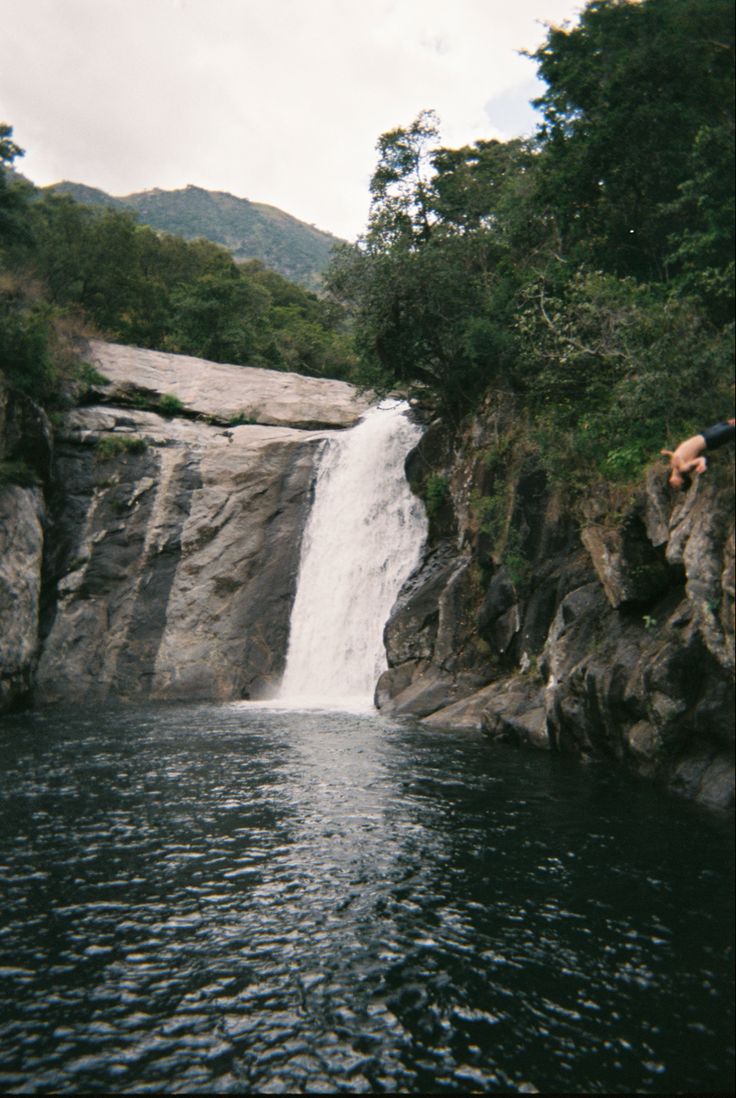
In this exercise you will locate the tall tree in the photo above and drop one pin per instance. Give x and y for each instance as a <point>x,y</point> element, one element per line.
<point>401,184</point>
<point>425,282</point>
<point>629,89</point>
<point>12,197</point>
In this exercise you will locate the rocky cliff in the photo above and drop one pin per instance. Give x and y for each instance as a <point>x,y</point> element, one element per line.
<point>608,635</point>
<point>162,561</point>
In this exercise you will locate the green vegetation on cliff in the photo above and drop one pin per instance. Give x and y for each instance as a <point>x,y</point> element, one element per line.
<point>588,272</point>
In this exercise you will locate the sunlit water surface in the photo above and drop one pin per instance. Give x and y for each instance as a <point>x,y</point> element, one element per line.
<point>227,899</point>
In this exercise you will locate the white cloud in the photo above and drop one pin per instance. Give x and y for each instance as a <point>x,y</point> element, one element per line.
<point>280,101</point>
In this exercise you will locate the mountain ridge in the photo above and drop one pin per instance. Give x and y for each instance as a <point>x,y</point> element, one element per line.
<point>249,230</point>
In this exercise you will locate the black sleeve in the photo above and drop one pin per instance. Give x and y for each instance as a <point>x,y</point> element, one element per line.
<point>718,435</point>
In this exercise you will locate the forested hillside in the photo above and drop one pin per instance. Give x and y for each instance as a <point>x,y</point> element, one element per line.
<point>249,230</point>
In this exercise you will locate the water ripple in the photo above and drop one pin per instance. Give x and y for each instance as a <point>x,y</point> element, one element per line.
<point>232,900</point>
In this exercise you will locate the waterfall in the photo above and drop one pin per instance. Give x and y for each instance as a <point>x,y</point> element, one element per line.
<point>363,537</point>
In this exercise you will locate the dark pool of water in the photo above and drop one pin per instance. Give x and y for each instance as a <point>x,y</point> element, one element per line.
<point>223,899</point>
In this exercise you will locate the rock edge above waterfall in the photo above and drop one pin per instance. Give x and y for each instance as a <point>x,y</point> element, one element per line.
<point>224,392</point>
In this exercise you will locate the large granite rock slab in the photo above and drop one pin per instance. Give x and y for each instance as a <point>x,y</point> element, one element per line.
<point>226,393</point>
<point>175,549</point>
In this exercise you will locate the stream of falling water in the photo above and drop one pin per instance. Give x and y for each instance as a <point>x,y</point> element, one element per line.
<point>363,538</point>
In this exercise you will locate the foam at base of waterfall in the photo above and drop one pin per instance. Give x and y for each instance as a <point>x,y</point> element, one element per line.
<point>310,702</point>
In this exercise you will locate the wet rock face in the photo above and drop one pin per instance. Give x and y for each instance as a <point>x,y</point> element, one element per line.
<point>432,649</point>
<point>172,569</point>
<point>630,569</point>
<point>21,552</point>
<point>25,453</point>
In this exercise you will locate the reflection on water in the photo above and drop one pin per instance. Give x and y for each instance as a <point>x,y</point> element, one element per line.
<point>233,899</point>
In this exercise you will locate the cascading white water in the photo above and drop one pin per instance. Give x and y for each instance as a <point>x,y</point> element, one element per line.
<point>363,538</point>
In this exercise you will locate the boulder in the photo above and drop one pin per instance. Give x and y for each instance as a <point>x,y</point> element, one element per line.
<point>630,569</point>
<point>430,690</point>
<point>515,713</point>
<point>465,715</point>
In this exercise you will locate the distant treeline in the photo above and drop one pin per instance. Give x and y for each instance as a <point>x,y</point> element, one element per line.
<point>588,271</point>
<point>68,270</point>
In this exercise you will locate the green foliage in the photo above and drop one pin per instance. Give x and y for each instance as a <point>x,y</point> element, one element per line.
<point>497,457</point>
<point>610,370</point>
<point>493,516</point>
<point>86,379</point>
<point>89,375</point>
<point>515,560</point>
<point>248,230</point>
<point>629,90</point>
<point>96,269</point>
<point>436,493</point>
<point>489,513</point>
<point>25,333</point>
<point>426,295</point>
<point>113,446</point>
<point>9,151</point>
<point>297,251</point>
<point>12,193</point>
<point>591,270</point>
<point>241,420</point>
<point>702,244</point>
<point>169,404</point>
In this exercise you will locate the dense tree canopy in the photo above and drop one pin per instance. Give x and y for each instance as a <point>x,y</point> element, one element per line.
<point>590,269</point>
<point>632,92</point>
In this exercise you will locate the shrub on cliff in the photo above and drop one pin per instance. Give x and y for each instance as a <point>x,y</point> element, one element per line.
<point>609,370</point>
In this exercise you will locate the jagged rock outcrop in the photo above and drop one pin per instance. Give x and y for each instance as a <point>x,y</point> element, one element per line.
<point>25,454</point>
<point>171,542</point>
<point>652,684</point>
<point>612,639</point>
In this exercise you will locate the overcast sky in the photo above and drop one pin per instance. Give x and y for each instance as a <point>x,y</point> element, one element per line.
<point>279,101</point>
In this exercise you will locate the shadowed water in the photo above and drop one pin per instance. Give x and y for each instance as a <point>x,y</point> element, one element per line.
<point>233,899</point>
